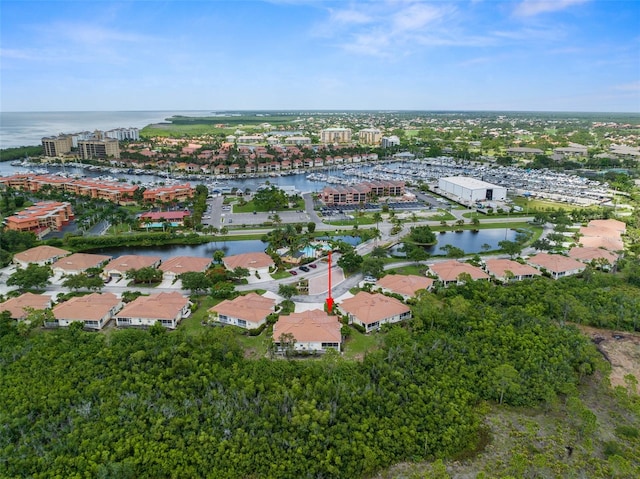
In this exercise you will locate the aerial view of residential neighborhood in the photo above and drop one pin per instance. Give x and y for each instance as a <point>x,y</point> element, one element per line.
<point>317,292</point>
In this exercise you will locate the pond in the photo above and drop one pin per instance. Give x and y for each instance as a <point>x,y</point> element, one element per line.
<point>204,250</point>
<point>469,241</point>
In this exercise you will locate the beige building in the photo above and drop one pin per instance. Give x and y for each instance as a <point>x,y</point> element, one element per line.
<point>78,262</point>
<point>145,311</point>
<point>405,285</point>
<point>19,307</point>
<point>248,312</point>
<point>500,269</point>
<point>335,135</point>
<point>371,311</point>
<point>370,136</point>
<point>312,330</point>
<point>57,145</point>
<point>103,149</point>
<point>94,310</point>
<point>39,255</point>
<point>118,267</point>
<point>449,271</point>
<point>556,264</point>
<point>174,267</point>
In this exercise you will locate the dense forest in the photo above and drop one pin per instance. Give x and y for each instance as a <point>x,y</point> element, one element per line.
<point>156,404</point>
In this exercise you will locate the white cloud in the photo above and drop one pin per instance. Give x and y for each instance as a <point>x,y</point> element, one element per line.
<point>530,8</point>
<point>633,87</point>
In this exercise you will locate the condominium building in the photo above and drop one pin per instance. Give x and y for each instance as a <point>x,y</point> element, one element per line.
<point>370,136</point>
<point>169,193</point>
<point>390,141</point>
<point>335,135</point>
<point>56,145</point>
<point>103,149</point>
<point>360,193</point>
<point>123,134</point>
<point>41,218</point>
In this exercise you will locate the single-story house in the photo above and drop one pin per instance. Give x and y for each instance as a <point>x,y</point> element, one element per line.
<point>248,312</point>
<point>174,267</point>
<point>18,307</point>
<point>498,268</point>
<point>607,242</point>
<point>556,264</point>
<point>94,310</point>
<point>406,285</point>
<point>449,271</point>
<point>118,267</point>
<point>166,308</point>
<point>78,263</point>
<point>312,330</point>
<point>617,226</point>
<point>373,310</point>
<point>589,254</point>
<point>257,263</point>
<point>39,255</point>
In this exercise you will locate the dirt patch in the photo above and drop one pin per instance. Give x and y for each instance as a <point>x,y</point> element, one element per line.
<point>620,348</point>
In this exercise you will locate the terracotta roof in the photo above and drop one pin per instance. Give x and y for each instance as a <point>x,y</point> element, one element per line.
<point>156,306</point>
<point>612,244</point>
<point>369,308</point>
<point>451,270</point>
<point>599,231</point>
<point>405,284</point>
<point>39,254</point>
<point>131,261</point>
<point>556,263</point>
<point>251,307</point>
<point>590,253</point>
<point>28,300</point>
<point>611,224</point>
<point>185,264</point>
<point>80,261</point>
<point>309,326</point>
<point>248,260</point>
<point>86,308</point>
<point>498,268</point>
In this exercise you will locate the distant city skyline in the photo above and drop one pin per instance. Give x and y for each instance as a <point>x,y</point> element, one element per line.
<point>526,55</point>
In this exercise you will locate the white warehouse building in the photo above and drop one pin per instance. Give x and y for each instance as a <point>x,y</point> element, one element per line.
<point>471,190</point>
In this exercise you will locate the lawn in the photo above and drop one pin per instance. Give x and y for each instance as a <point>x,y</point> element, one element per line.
<point>532,205</point>
<point>281,275</point>
<point>191,325</point>
<point>415,269</point>
<point>358,344</point>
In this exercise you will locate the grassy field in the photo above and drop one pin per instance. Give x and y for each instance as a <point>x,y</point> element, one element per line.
<point>358,344</point>
<point>533,205</point>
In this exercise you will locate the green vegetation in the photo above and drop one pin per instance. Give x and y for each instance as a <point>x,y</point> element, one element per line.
<point>20,153</point>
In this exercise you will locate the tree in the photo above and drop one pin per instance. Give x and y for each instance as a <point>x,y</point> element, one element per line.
<point>195,281</point>
<point>83,281</point>
<point>373,266</point>
<point>269,199</point>
<point>145,275</point>
<point>238,273</point>
<point>422,235</point>
<point>350,261</point>
<point>379,252</point>
<point>377,217</point>
<point>287,291</point>
<point>223,290</point>
<point>311,226</point>
<point>415,253</point>
<point>505,380</point>
<point>512,248</point>
<point>453,251</point>
<point>33,276</point>
<point>218,255</point>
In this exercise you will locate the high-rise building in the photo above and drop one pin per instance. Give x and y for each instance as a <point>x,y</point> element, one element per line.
<point>107,148</point>
<point>370,136</point>
<point>389,141</point>
<point>123,134</point>
<point>56,145</point>
<point>335,135</point>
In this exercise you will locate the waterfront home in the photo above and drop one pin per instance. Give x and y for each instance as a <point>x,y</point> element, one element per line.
<point>172,268</point>
<point>118,267</point>
<point>78,263</point>
<point>40,255</point>
<point>257,263</point>
<point>591,254</point>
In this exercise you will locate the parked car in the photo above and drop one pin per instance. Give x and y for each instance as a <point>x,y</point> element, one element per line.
<point>304,268</point>
<point>294,273</point>
<point>313,265</point>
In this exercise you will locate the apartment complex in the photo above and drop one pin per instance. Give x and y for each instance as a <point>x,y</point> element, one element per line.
<point>123,134</point>
<point>57,145</point>
<point>335,135</point>
<point>41,218</point>
<point>370,136</point>
<point>169,193</point>
<point>113,191</point>
<point>99,148</point>
<point>360,193</point>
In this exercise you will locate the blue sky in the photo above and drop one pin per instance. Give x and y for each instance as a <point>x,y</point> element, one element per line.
<point>557,55</point>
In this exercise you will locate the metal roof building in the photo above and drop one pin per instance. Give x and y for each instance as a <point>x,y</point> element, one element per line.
<point>471,190</point>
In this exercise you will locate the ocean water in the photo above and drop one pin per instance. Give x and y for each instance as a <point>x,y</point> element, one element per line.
<point>28,128</point>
